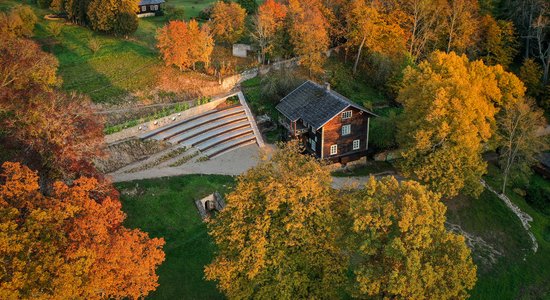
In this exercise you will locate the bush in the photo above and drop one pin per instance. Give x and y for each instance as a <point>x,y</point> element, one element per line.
<point>174,13</point>
<point>54,28</point>
<point>94,44</point>
<point>125,23</point>
<point>538,196</point>
<point>205,13</point>
<point>383,131</point>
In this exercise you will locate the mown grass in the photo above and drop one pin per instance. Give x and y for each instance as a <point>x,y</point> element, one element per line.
<point>164,207</point>
<point>120,67</point>
<point>520,273</point>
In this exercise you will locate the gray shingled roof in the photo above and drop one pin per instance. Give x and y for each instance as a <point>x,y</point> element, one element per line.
<point>149,2</point>
<point>314,104</point>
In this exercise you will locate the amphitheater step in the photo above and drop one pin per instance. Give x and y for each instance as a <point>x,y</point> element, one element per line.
<point>204,136</point>
<point>230,145</point>
<point>209,129</point>
<point>169,130</point>
<point>205,145</point>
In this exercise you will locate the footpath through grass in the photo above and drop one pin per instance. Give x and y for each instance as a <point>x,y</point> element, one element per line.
<point>164,207</point>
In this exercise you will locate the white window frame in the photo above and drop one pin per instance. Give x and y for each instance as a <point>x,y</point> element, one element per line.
<point>356,144</point>
<point>333,149</point>
<point>347,114</point>
<point>313,144</point>
<point>346,129</point>
<point>144,8</point>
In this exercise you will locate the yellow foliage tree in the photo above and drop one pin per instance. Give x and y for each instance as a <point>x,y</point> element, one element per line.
<point>449,108</point>
<point>275,237</point>
<point>368,26</point>
<point>404,250</point>
<point>227,21</point>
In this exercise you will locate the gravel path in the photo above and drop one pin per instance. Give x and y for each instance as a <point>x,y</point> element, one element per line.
<point>232,163</point>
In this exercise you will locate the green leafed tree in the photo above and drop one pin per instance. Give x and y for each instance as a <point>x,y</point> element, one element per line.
<point>276,237</point>
<point>403,249</point>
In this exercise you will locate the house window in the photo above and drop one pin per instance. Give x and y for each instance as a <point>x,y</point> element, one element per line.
<point>346,129</point>
<point>356,144</point>
<point>333,149</point>
<point>144,8</point>
<point>155,7</point>
<point>313,144</point>
<point>346,114</point>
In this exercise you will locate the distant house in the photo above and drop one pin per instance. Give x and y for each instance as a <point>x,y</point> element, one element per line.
<point>148,8</point>
<point>329,125</point>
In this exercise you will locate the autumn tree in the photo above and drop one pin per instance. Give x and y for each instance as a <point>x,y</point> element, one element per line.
<point>70,244</point>
<point>449,107</point>
<point>530,73</point>
<point>269,23</point>
<point>56,133</point>
<point>520,141</point>
<point>423,20</point>
<point>460,24</point>
<point>227,21</point>
<point>404,251</point>
<point>369,27</point>
<point>275,237</point>
<point>308,33</point>
<point>498,43</point>
<point>108,16</point>
<point>18,22</point>
<point>184,44</point>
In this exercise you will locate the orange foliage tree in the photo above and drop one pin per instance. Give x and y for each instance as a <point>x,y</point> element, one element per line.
<point>71,244</point>
<point>184,44</point>
<point>269,22</point>
<point>227,21</point>
<point>56,133</point>
<point>309,33</point>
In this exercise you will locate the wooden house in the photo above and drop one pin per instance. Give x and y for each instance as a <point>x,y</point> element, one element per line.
<point>329,125</point>
<point>149,8</point>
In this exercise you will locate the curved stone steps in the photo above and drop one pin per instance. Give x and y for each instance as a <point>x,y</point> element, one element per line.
<point>209,129</point>
<point>214,141</point>
<point>165,127</point>
<point>230,145</point>
<point>171,129</point>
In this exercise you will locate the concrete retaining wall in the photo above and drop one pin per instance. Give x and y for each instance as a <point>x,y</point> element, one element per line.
<point>141,128</point>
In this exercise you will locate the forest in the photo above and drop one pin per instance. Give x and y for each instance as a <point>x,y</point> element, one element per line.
<point>461,94</point>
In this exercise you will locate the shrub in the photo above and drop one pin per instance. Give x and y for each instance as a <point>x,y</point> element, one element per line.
<point>174,13</point>
<point>125,23</point>
<point>54,28</point>
<point>383,132</point>
<point>94,44</point>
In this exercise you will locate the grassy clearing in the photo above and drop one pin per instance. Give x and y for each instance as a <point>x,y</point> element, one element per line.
<point>165,208</point>
<point>519,274</point>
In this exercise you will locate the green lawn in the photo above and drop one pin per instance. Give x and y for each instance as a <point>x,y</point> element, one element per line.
<point>519,273</point>
<point>165,208</point>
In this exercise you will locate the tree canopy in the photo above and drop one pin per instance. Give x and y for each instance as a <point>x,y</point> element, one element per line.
<point>276,237</point>
<point>405,252</point>
<point>70,244</point>
<point>449,108</point>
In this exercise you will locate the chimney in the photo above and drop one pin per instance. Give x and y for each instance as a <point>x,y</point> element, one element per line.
<point>327,86</point>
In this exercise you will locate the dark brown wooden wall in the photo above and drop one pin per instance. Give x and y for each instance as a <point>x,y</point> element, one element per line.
<point>333,134</point>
